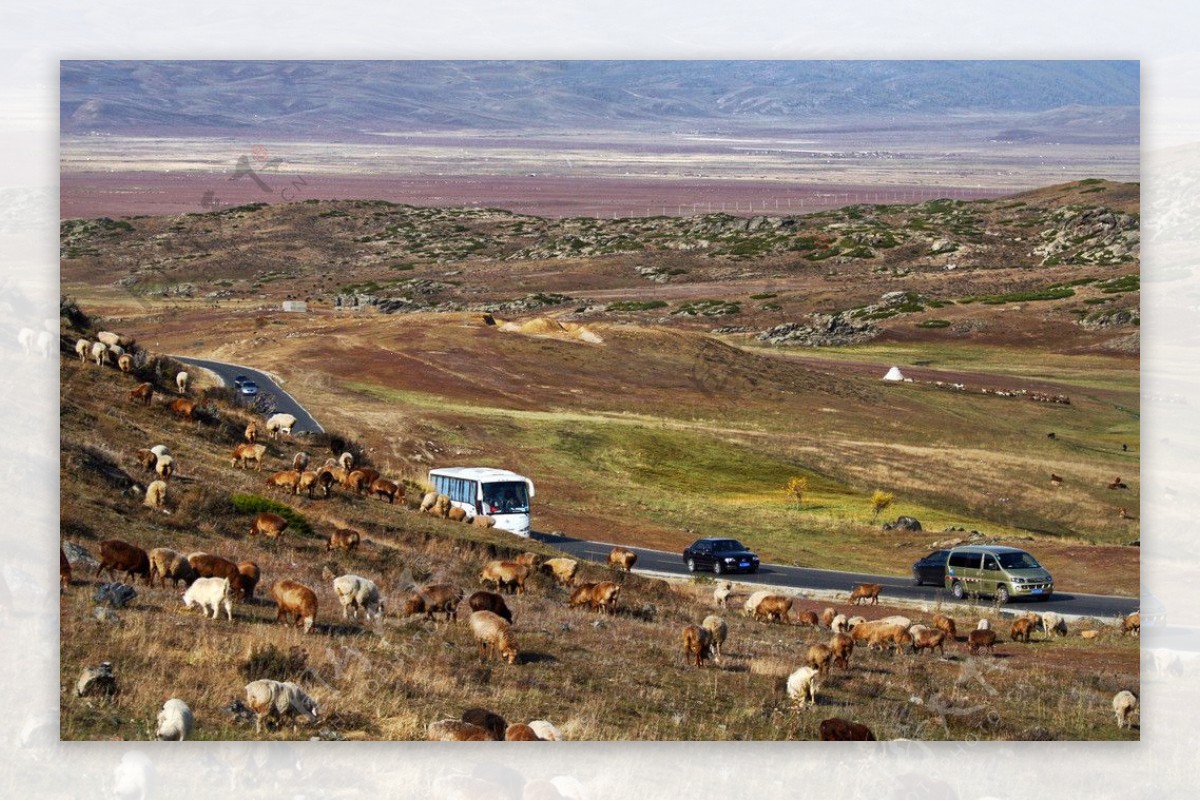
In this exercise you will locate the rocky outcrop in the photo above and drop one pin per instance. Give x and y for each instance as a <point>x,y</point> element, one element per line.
<point>823,330</point>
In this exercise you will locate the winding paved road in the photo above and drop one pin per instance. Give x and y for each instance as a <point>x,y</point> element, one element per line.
<point>795,578</point>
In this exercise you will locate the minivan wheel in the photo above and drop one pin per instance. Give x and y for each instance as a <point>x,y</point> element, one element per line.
<point>957,591</point>
<point>691,563</point>
<point>1002,595</point>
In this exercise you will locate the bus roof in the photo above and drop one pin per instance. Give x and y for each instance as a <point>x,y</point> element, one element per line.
<point>484,475</point>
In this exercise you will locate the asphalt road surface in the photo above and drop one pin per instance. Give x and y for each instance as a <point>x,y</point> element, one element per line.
<point>283,401</point>
<point>795,578</point>
<point>1068,603</point>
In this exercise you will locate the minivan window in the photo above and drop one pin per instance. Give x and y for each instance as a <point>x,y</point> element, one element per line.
<point>970,560</point>
<point>989,562</point>
<point>1018,561</point>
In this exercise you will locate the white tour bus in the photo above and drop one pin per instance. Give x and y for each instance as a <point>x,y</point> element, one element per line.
<point>500,494</point>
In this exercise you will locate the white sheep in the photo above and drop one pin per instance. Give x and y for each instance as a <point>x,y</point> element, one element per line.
<point>719,631</point>
<point>983,625</point>
<point>346,460</point>
<point>753,601</point>
<point>82,348</point>
<point>280,424</point>
<point>839,624</point>
<point>854,621</point>
<point>174,721</point>
<point>213,592</point>
<point>274,699</point>
<point>722,592</point>
<point>165,466</point>
<point>44,339</point>
<point>109,338</point>
<point>1125,705</point>
<point>156,495</point>
<point>1054,623</point>
<point>181,382</point>
<point>26,337</point>
<point>358,593</point>
<point>896,620</point>
<point>116,350</point>
<point>161,450</point>
<point>100,353</point>
<point>545,730</point>
<point>802,686</point>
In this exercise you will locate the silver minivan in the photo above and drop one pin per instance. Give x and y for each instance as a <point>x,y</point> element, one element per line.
<point>996,570</point>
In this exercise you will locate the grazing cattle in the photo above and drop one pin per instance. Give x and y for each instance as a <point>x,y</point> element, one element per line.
<point>697,642</point>
<point>117,555</point>
<point>862,592</point>
<point>839,729</point>
<point>293,599</point>
<point>622,559</point>
<point>345,538</point>
<point>984,639</point>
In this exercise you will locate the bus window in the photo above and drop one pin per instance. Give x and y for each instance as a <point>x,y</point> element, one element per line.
<point>506,497</point>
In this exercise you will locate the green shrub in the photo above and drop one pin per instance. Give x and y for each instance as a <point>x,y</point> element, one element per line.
<point>934,324</point>
<point>636,305</point>
<point>253,504</point>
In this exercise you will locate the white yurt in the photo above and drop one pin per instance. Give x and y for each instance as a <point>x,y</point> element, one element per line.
<point>894,375</point>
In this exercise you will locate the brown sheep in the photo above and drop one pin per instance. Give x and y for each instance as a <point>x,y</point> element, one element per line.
<point>839,729</point>
<point>929,638</point>
<point>505,574</point>
<point>208,565</point>
<point>168,564</point>
<point>562,569</point>
<point>251,433</point>
<point>250,576</point>
<point>697,641</point>
<point>121,556</point>
<point>387,489</point>
<point>268,524</point>
<point>622,559</point>
<point>248,453</point>
<point>490,601</point>
<point>308,482</point>
<point>808,618</point>
<point>146,458</point>
<point>1021,629</point>
<point>432,598</point>
<point>125,363</point>
<point>485,719</point>
<point>494,634</point>
<point>819,656</point>
<point>456,731</point>
<point>1132,624</point>
<point>143,392</point>
<point>981,638</point>
<point>345,538</point>
<point>842,646</point>
<point>862,592</point>
<point>294,599</point>
<point>64,569</point>
<point>456,514</point>
<point>288,479</point>
<point>183,408</point>
<point>773,607</point>
<point>483,521</point>
<point>891,636</point>
<point>360,480</point>
<point>946,624</point>
<point>827,617</point>
<point>300,461</point>
<point>521,732</point>
<point>326,478</point>
<point>530,559</point>
<point>601,596</point>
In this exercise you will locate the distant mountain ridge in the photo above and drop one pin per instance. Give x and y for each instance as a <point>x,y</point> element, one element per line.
<point>313,98</point>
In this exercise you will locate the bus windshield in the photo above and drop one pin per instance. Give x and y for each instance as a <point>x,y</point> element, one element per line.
<point>506,497</point>
<point>1018,561</point>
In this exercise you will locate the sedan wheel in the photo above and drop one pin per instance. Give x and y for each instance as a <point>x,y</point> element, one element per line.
<point>691,563</point>
<point>717,567</point>
<point>917,579</point>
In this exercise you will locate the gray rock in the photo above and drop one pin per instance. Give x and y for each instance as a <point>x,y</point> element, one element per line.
<point>115,594</point>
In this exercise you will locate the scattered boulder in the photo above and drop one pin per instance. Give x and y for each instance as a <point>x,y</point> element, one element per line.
<point>116,594</point>
<point>822,331</point>
<point>903,523</point>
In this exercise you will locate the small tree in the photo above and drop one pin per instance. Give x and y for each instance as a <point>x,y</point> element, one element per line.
<point>880,501</point>
<point>797,486</point>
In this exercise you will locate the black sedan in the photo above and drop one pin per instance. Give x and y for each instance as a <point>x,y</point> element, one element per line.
<point>720,556</point>
<point>930,569</point>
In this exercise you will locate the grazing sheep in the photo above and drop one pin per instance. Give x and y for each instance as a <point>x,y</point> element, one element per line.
<point>865,630</point>
<point>483,521</point>
<point>356,592</point>
<point>983,624</point>
<point>854,621</point>
<point>181,382</point>
<point>842,646</point>
<point>183,408</point>
<point>862,592</point>
<point>1125,705</point>
<point>602,596</point>
<point>308,482</point>
<point>121,556</point>
<point>268,524</point>
<point>482,599</point>
<point>622,559</point>
<point>175,721</point>
<point>1132,623</point>
<point>427,502</point>
<point>530,559</point>
<point>819,656</point>
<point>827,616</point>
<point>562,569</point>
<point>101,354</point>
<point>164,466</point>
<point>116,350</point>
<point>697,642</point>
<point>345,538</point>
<point>896,620</point>
<point>357,482</point>
<point>161,450</point>
<point>97,680</point>
<point>494,634</point>
<point>82,348</point>
<point>346,461</point>
<point>387,489</point>
<point>156,495</point>
<point>802,686</point>
<point>168,564</point>
<point>719,631</point>
<point>271,700</point>
<point>546,730</point>
<point>300,462</point>
<point>214,592</point>
<point>505,574</point>
<point>207,565</point>
<point>125,363</point>
<point>287,479</point>
<point>146,458</point>
<point>773,607</point>
<point>840,730</point>
<point>142,392</point>
<point>251,432</point>
<point>26,337</point>
<point>889,636</point>
<point>1054,623</point>
<point>326,478</point>
<point>432,598</point>
<point>250,575</point>
<point>929,638</point>
<point>722,592</point>
<point>981,638</point>
<point>449,730</point>
<point>64,569</point>
<point>751,603</point>
<point>488,720</point>
<point>839,624</point>
<point>1021,630</point>
<point>243,454</point>
<point>520,732</point>
<point>456,514</point>
<point>946,624</point>
<point>110,338</point>
<point>293,599</point>
<point>280,424</point>
<point>807,618</point>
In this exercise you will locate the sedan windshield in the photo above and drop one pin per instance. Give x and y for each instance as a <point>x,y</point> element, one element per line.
<point>1018,561</point>
<point>506,497</point>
